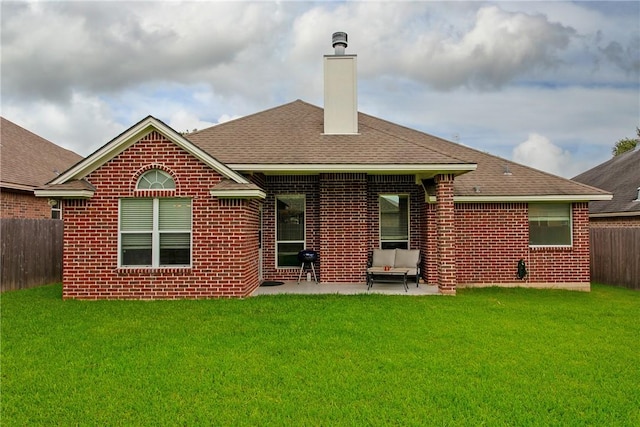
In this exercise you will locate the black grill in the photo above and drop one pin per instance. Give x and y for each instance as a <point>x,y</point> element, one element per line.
<point>307,255</point>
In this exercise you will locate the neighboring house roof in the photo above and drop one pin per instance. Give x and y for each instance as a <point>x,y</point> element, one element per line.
<point>28,160</point>
<point>620,176</point>
<point>289,139</point>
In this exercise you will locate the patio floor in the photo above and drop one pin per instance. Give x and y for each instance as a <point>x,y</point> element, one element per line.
<point>346,289</point>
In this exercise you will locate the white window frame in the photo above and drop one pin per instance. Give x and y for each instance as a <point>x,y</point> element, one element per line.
<point>570,245</point>
<point>399,195</point>
<point>304,228</point>
<point>168,183</point>
<point>56,206</point>
<point>155,236</point>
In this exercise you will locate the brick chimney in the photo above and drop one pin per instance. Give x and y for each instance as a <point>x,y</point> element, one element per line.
<point>340,90</point>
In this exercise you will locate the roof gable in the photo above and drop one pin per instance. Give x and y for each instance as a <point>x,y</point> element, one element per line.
<point>28,160</point>
<point>130,137</point>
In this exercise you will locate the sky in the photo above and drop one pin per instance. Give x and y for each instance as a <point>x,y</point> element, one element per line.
<point>549,84</point>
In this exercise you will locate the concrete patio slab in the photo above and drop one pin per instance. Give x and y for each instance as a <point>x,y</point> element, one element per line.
<point>346,289</point>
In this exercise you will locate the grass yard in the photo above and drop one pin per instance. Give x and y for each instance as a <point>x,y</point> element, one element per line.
<point>485,357</point>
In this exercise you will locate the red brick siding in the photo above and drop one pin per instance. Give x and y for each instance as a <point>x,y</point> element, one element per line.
<point>23,205</point>
<point>429,245</point>
<point>344,222</point>
<point>615,222</point>
<point>492,237</point>
<point>225,242</point>
<point>446,237</point>
<point>282,185</point>
<point>403,184</point>
<point>554,265</point>
<point>344,228</point>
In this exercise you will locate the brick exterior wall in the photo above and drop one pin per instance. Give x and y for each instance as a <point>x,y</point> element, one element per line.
<point>309,186</point>
<point>349,221</point>
<point>344,229</point>
<point>615,222</point>
<point>445,234</point>
<point>492,237</point>
<point>461,244</point>
<point>224,232</point>
<point>23,205</point>
<point>398,184</point>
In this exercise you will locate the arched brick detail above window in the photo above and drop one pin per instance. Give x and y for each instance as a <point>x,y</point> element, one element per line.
<point>171,181</point>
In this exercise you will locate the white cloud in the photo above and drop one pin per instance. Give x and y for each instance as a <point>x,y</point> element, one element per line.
<point>79,73</point>
<point>83,126</point>
<point>540,153</point>
<point>183,121</point>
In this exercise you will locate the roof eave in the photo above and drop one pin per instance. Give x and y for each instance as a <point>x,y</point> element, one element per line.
<point>64,194</point>
<point>528,198</point>
<point>424,170</point>
<point>238,194</point>
<point>16,187</point>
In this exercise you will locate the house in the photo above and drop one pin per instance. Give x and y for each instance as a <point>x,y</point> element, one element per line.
<point>156,214</point>
<point>619,175</point>
<point>29,161</point>
<point>615,223</point>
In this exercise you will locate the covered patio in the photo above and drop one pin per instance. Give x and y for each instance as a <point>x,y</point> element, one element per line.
<point>311,288</point>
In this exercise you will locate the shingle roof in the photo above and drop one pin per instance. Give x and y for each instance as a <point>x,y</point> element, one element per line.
<point>293,134</point>
<point>28,160</point>
<point>620,176</point>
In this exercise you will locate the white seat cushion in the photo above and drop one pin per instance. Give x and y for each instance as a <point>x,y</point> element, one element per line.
<point>383,257</point>
<point>407,258</point>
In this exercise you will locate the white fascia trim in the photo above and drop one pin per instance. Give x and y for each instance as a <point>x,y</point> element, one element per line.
<point>131,136</point>
<point>371,168</point>
<point>238,194</point>
<point>64,194</point>
<point>551,198</point>
<point>19,187</point>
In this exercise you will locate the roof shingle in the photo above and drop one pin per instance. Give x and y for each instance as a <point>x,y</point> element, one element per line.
<point>28,160</point>
<point>293,134</point>
<point>620,176</point>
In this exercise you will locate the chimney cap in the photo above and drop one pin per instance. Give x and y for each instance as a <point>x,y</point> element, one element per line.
<point>339,38</point>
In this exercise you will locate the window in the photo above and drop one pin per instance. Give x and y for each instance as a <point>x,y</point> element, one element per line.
<point>56,208</point>
<point>289,229</point>
<point>394,221</point>
<point>156,179</point>
<point>549,224</point>
<point>155,232</point>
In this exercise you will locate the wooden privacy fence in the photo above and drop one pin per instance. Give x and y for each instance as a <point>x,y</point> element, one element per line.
<point>615,256</point>
<point>31,252</point>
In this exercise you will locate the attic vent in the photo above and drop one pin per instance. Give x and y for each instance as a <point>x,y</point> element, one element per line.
<point>339,42</point>
<point>507,171</point>
<point>638,196</point>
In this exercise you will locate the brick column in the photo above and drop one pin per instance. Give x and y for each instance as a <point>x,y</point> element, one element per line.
<point>445,229</point>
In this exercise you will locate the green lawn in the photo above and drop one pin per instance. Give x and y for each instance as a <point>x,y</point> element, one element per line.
<point>485,357</point>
